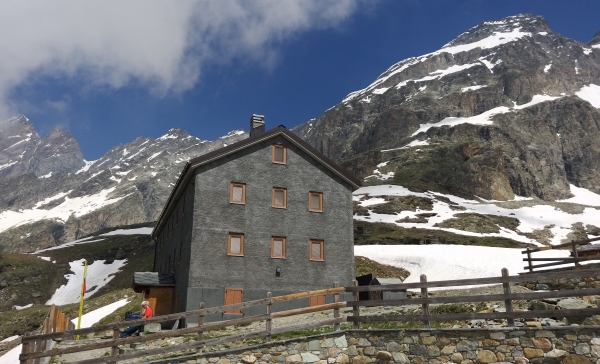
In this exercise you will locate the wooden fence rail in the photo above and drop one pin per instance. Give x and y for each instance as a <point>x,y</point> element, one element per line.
<point>575,258</point>
<point>507,297</point>
<point>28,356</point>
<point>355,317</point>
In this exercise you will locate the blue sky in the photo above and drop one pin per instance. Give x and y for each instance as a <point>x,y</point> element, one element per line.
<point>110,73</point>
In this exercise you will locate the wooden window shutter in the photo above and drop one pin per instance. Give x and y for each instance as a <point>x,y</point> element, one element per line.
<point>316,300</point>
<point>233,296</point>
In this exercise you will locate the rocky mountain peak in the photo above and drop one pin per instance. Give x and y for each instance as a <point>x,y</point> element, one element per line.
<point>482,100</point>
<point>175,133</point>
<point>57,152</point>
<point>595,40</point>
<point>508,28</point>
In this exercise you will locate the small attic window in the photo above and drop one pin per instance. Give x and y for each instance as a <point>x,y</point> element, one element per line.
<point>237,193</point>
<point>279,154</point>
<point>315,201</point>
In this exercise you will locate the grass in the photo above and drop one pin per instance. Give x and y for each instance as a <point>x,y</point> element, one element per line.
<point>365,266</point>
<point>377,233</point>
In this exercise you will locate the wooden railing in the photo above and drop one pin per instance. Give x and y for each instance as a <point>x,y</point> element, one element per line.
<point>507,297</point>
<point>56,321</point>
<point>573,259</point>
<point>356,318</point>
<point>28,356</point>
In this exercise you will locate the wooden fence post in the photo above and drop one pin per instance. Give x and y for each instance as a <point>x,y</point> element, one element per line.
<point>115,348</point>
<point>574,252</point>
<point>25,349</point>
<point>336,311</point>
<point>201,332</point>
<point>425,306</point>
<point>529,260</point>
<point>269,323</point>
<point>355,308</point>
<point>507,302</point>
<point>52,317</point>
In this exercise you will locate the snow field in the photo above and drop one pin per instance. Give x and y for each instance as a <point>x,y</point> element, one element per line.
<point>531,217</point>
<point>450,262</point>
<point>78,206</point>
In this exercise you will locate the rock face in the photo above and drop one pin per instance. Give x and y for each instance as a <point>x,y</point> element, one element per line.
<point>61,197</point>
<point>57,152</point>
<point>503,109</point>
<point>22,150</point>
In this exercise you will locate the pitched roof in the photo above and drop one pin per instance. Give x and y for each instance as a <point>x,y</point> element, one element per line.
<point>153,279</point>
<point>194,163</point>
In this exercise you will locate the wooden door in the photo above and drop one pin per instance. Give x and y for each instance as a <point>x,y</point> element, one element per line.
<point>161,300</point>
<point>234,295</point>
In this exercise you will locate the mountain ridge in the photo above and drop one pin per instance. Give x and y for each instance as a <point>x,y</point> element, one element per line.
<point>507,69</point>
<point>507,108</point>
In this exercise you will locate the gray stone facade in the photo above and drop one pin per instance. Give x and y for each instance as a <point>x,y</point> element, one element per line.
<point>201,233</point>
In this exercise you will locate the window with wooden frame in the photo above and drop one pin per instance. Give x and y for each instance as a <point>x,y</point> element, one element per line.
<point>279,154</point>
<point>316,250</point>
<point>233,296</point>
<point>237,193</point>
<point>278,247</point>
<point>315,201</point>
<point>235,244</point>
<point>279,198</point>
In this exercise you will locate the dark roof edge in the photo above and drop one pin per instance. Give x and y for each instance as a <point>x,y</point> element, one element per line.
<point>244,143</point>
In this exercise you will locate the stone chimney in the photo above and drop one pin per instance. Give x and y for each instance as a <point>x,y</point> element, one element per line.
<point>257,124</point>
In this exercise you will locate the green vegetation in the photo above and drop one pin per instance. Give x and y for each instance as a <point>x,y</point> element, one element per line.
<point>367,233</point>
<point>25,279</point>
<point>480,223</point>
<point>397,204</point>
<point>365,266</point>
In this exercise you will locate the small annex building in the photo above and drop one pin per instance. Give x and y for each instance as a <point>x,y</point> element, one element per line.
<point>266,214</point>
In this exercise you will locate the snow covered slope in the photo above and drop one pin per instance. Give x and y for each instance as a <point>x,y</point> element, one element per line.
<point>55,204</point>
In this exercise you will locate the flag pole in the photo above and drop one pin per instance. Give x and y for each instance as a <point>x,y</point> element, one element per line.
<point>83,289</point>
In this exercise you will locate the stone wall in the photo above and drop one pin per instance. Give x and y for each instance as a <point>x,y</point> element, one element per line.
<point>566,283</point>
<point>568,345</point>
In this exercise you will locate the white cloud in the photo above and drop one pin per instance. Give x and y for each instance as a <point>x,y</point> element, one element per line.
<point>156,44</point>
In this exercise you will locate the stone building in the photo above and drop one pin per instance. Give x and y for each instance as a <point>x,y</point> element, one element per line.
<point>268,213</point>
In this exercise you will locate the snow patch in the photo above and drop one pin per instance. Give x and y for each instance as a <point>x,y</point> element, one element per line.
<point>233,133</point>
<point>87,166</point>
<point>547,67</point>
<point>77,206</point>
<point>4,166</point>
<point>494,40</point>
<point>472,88</point>
<point>98,275</point>
<point>583,196</point>
<point>536,99</point>
<point>481,119</point>
<point>589,93</point>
